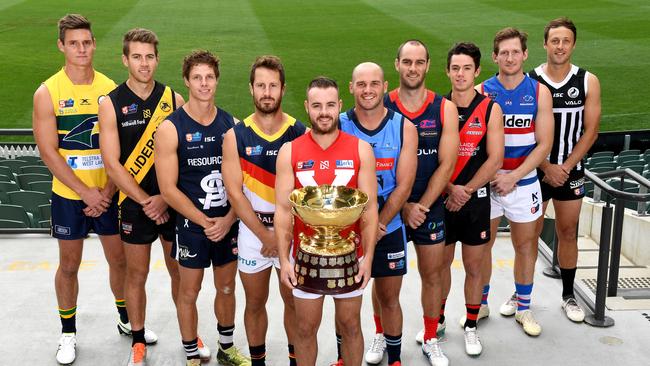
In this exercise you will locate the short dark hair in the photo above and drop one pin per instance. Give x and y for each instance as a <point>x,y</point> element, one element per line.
<point>412,42</point>
<point>322,82</point>
<point>73,21</point>
<point>199,57</point>
<point>139,35</point>
<point>561,22</point>
<point>507,33</point>
<point>465,48</point>
<point>268,62</point>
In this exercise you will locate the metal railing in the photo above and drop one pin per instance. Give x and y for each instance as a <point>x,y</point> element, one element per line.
<point>611,233</point>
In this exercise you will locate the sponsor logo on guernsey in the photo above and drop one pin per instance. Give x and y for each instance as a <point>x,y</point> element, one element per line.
<point>573,92</point>
<point>146,113</point>
<point>324,164</point>
<point>576,183</point>
<point>517,120</point>
<point>388,146</point>
<point>492,95</point>
<point>253,150</point>
<point>476,123</point>
<point>193,137</point>
<point>309,164</point>
<point>558,95</point>
<point>527,100</point>
<point>130,109</point>
<point>508,102</point>
<point>482,192</point>
<point>84,101</point>
<point>468,149</point>
<point>215,193</point>
<point>396,265</point>
<point>133,122</point>
<point>266,218</point>
<point>429,133</point>
<point>127,227</point>
<point>428,123</point>
<point>271,152</point>
<point>579,191</point>
<point>85,162</point>
<point>247,262</point>
<point>397,255</point>
<point>204,161</point>
<point>385,163</point>
<point>427,151</point>
<point>483,234</point>
<point>437,235</point>
<point>345,164</point>
<point>69,103</point>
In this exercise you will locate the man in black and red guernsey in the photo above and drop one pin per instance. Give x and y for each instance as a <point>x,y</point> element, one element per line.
<point>436,120</point>
<point>467,207</point>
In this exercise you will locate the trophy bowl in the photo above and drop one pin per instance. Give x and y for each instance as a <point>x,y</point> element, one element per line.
<point>326,262</point>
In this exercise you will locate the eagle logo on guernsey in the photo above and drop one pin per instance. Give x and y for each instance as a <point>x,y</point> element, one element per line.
<point>165,107</point>
<point>84,133</point>
<point>309,164</point>
<point>345,164</point>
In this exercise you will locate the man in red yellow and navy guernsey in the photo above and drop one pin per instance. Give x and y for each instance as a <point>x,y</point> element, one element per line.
<point>250,151</point>
<point>128,120</point>
<point>515,192</point>
<point>325,155</point>
<point>436,120</point>
<point>467,207</point>
<point>66,131</point>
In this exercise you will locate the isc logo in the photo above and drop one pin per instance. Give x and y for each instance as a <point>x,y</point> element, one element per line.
<point>271,152</point>
<point>209,139</point>
<point>517,120</point>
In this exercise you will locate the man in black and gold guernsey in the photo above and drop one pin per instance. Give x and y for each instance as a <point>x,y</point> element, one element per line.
<point>128,120</point>
<point>65,129</point>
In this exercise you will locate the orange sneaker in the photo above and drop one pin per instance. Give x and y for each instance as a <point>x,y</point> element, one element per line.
<point>339,362</point>
<point>138,355</point>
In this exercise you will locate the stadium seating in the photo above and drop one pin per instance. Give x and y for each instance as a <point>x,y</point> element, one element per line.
<point>45,214</point>
<point>607,165</point>
<point>30,201</point>
<point>616,183</point>
<point>7,187</point>
<point>599,159</point>
<point>16,213</point>
<point>625,158</point>
<point>38,169</point>
<point>6,178</point>
<point>29,158</point>
<point>24,179</point>
<point>629,152</point>
<point>609,154</point>
<point>5,170</point>
<point>12,224</point>
<point>14,164</point>
<point>41,186</point>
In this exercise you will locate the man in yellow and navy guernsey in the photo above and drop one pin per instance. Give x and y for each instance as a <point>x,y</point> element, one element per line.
<point>66,131</point>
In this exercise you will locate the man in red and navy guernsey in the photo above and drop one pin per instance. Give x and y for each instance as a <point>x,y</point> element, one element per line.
<point>325,155</point>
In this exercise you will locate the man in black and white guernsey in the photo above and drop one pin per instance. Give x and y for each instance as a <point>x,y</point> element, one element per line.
<point>576,108</point>
<point>188,153</point>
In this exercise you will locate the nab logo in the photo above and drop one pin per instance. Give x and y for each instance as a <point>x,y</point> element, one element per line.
<point>517,120</point>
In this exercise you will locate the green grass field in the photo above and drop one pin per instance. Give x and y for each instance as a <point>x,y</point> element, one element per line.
<point>327,38</point>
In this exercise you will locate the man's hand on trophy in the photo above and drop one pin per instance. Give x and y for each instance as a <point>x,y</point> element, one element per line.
<point>218,229</point>
<point>287,275</point>
<point>414,214</point>
<point>363,276</point>
<point>381,231</point>
<point>269,243</point>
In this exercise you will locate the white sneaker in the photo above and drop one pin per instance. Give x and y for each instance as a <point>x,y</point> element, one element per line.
<point>434,354</point>
<point>527,320</point>
<point>509,308</point>
<point>440,333</point>
<point>572,310</point>
<point>375,353</point>
<point>204,351</point>
<point>483,312</point>
<point>473,345</point>
<point>66,353</point>
<point>125,329</point>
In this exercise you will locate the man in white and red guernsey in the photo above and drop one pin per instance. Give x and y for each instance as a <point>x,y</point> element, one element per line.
<point>467,207</point>
<point>528,129</point>
<point>325,155</point>
<point>436,120</point>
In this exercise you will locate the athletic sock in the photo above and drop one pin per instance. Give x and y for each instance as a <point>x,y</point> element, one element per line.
<point>378,327</point>
<point>523,296</point>
<point>472,315</point>
<point>430,327</point>
<point>68,320</point>
<point>121,309</point>
<point>225,336</point>
<point>191,348</point>
<point>258,355</point>
<point>442,311</point>
<point>486,292</point>
<point>292,356</point>
<point>568,277</point>
<point>138,337</point>
<point>393,347</point>
<point>338,347</point>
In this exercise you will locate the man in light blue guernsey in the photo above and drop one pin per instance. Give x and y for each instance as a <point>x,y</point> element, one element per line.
<point>394,142</point>
<point>528,129</point>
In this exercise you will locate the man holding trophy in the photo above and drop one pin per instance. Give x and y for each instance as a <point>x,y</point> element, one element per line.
<point>334,176</point>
